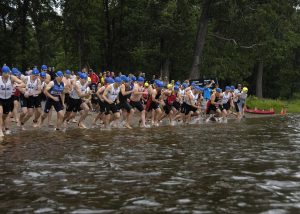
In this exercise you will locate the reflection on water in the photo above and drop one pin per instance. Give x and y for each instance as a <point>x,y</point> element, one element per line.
<point>252,167</point>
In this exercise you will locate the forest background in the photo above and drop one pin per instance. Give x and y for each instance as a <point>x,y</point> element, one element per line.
<point>254,42</point>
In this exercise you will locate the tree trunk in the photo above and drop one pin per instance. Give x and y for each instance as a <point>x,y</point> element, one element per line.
<point>23,23</point>
<point>200,40</point>
<point>259,80</point>
<point>164,62</point>
<point>108,36</point>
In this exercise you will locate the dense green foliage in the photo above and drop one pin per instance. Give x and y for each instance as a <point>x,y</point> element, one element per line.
<point>158,37</point>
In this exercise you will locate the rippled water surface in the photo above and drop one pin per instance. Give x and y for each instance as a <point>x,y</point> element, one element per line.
<point>247,167</point>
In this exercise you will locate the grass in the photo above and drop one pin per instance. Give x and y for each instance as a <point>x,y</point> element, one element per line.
<point>292,105</point>
<point>266,104</point>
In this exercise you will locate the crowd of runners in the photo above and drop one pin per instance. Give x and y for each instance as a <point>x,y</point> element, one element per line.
<point>112,100</point>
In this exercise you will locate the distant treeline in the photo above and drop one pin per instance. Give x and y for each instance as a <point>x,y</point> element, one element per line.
<point>253,42</point>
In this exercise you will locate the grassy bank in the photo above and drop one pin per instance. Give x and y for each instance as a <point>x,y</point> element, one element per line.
<point>293,105</point>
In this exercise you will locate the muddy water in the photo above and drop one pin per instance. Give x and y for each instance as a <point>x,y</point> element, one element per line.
<point>247,167</point>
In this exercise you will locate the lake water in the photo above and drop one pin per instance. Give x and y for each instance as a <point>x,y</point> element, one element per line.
<point>252,166</point>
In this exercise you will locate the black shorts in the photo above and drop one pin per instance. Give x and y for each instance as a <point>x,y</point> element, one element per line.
<point>183,107</point>
<point>167,108</point>
<point>30,102</point>
<point>226,106</point>
<point>57,105</point>
<point>67,98</point>
<point>153,106</point>
<point>110,108</point>
<point>215,107</point>
<point>125,105</point>
<point>189,108</point>
<point>236,107</point>
<point>7,105</point>
<point>138,105</point>
<point>15,98</point>
<point>176,105</point>
<point>102,106</point>
<point>43,97</point>
<point>74,105</point>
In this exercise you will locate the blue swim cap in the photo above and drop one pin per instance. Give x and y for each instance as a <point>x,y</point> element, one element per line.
<point>123,77</point>
<point>176,88</point>
<point>197,88</point>
<point>68,72</point>
<point>159,84</point>
<point>59,74</point>
<point>201,89</point>
<point>35,72</point>
<point>44,67</point>
<point>218,90</point>
<point>227,88</point>
<point>43,74</point>
<point>83,76</point>
<point>118,80</point>
<point>109,80</point>
<point>5,69</point>
<point>140,79</point>
<point>14,71</point>
<point>185,85</point>
<point>232,88</point>
<point>133,78</point>
<point>127,79</point>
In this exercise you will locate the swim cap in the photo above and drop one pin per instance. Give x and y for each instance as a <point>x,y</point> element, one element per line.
<point>227,88</point>
<point>5,69</point>
<point>160,84</point>
<point>43,74</point>
<point>140,79</point>
<point>44,67</point>
<point>185,85</point>
<point>176,88</point>
<point>232,88</point>
<point>133,78</point>
<point>35,72</point>
<point>59,74</point>
<point>109,80</point>
<point>83,76</point>
<point>146,84</point>
<point>245,89</point>
<point>68,72</point>
<point>14,71</point>
<point>126,79</point>
<point>118,80</point>
<point>218,90</point>
<point>123,78</point>
<point>178,83</point>
<point>197,88</point>
<point>169,86</point>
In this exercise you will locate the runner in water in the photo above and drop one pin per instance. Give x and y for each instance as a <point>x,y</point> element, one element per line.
<point>54,93</point>
<point>124,97</point>
<point>76,103</point>
<point>30,98</point>
<point>110,97</point>
<point>7,83</point>
<point>136,99</point>
<point>16,97</point>
<point>241,103</point>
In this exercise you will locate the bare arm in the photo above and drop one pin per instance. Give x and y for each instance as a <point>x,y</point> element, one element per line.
<point>46,91</point>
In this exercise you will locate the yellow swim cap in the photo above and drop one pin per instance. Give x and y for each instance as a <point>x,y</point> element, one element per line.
<point>170,86</point>
<point>245,89</point>
<point>146,84</point>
